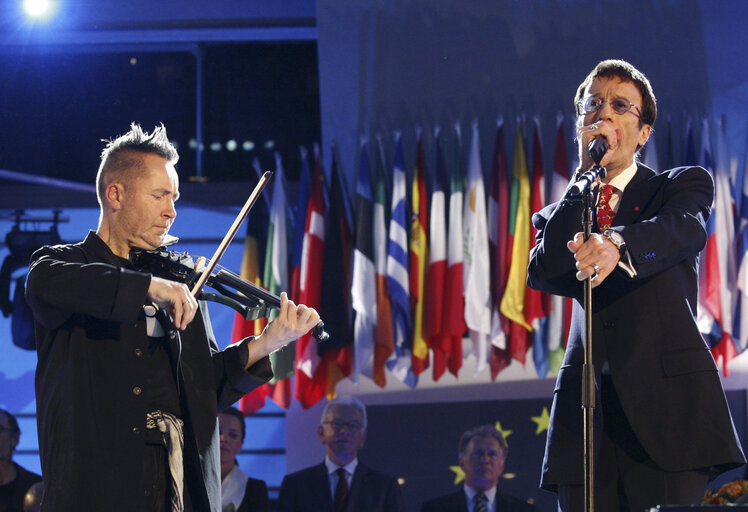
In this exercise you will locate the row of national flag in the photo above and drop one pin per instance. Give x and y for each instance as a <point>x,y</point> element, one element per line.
<point>425,267</point>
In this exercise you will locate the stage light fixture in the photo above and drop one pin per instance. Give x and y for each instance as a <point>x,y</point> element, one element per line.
<point>36,8</point>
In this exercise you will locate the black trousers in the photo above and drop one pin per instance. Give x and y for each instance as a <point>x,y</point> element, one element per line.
<point>626,479</point>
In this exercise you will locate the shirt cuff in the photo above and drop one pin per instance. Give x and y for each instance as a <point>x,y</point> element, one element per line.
<point>626,264</point>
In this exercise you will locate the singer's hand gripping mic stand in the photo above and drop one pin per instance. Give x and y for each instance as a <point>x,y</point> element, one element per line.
<point>583,187</point>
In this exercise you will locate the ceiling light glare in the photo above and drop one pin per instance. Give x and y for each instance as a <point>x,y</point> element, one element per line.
<point>36,8</point>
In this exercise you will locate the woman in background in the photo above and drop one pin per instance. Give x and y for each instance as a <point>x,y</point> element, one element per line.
<point>239,493</point>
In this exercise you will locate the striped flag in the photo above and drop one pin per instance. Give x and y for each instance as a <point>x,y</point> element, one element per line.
<point>400,364</point>
<point>454,299</point>
<point>498,233</point>
<point>299,223</point>
<point>537,303</point>
<point>434,307</point>
<point>559,317</point>
<point>337,352</point>
<point>513,301</point>
<point>742,278</point>
<point>384,345</point>
<point>363,287</point>
<point>724,220</point>
<point>310,381</point>
<point>715,295</point>
<point>242,328</point>
<point>254,250</point>
<point>275,277</point>
<point>418,259</point>
<point>477,267</point>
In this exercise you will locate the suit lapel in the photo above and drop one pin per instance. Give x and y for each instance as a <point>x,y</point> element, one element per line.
<point>358,480</point>
<point>320,488</point>
<point>629,210</point>
<point>460,500</point>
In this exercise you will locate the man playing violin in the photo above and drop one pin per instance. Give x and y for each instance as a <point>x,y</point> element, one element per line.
<point>126,412</point>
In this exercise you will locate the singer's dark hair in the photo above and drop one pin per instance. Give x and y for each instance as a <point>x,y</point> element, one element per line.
<point>627,73</point>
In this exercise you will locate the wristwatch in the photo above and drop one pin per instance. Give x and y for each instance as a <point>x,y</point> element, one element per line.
<point>618,241</point>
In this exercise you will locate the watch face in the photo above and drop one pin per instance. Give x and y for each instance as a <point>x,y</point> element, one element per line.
<point>614,236</point>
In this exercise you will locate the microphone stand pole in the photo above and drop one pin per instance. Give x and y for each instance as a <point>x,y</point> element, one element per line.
<point>584,187</point>
<point>588,370</point>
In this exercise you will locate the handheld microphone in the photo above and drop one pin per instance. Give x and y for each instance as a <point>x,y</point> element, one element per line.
<point>597,149</point>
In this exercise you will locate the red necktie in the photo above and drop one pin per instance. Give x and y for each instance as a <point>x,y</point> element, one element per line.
<point>605,213</point>
<point>341,491</point>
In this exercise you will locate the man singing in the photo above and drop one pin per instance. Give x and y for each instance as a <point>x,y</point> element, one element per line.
<point>662,425</point>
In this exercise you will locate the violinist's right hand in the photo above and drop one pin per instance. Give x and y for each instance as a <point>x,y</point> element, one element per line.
<point>174,298</point>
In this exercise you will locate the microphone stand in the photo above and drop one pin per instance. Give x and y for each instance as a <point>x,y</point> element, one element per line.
<point>588,370</point>
<point>583,187</point>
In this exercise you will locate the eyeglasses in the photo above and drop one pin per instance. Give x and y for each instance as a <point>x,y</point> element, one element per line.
<point>620,106</point>
<point>479,454</point>
<point>337,425</point>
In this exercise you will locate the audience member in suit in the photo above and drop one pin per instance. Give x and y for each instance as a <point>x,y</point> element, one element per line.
<point>482,454</point>
<point>15,481</point>
<point>340,483</point>
<point>239,493</point>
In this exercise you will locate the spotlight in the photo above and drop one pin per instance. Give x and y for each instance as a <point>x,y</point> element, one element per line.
<point>231,145</point>
<point>36,8</point>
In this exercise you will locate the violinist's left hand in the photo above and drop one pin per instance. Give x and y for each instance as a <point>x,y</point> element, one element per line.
<point>291,323</point>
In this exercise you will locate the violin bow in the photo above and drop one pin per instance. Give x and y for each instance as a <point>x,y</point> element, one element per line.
<point>213,262</point>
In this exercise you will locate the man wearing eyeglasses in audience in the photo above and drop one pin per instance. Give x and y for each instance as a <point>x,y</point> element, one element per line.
<point>662,425</point>
<point>482,454</point>
<point>340,483</point>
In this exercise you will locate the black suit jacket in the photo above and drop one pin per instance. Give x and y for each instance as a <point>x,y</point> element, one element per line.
<point>308,490</point>
<point>255,497</point>
<point>457,502</point>
<point>644,327</point>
